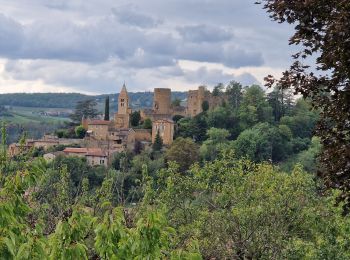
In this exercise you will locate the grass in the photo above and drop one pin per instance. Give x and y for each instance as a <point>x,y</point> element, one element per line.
<point>22,115</point>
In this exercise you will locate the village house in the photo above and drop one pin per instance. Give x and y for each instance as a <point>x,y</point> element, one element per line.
<point>94,156</point>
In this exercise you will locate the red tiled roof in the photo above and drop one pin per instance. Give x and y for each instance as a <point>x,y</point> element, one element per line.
<point>99,122</point>
<point>164,120</point>
<point>96,152</point>
<point>75,150</point>
<point>86,151</point>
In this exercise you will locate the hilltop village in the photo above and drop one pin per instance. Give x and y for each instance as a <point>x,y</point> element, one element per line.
<point>105,138</point>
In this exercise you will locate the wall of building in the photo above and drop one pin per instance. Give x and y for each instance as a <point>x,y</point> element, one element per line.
<point>162,101</point>
<point>97,160</point>
<point>196,98</point>
<point>99,132</point>
<point>143,135</point>
<point>165,129</point>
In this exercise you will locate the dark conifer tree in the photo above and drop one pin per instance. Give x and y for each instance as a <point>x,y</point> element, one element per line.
<point>107,109</point>
<point>158,143</point>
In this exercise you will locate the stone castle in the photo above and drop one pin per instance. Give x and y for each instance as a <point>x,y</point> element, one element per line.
<point>105,138</point>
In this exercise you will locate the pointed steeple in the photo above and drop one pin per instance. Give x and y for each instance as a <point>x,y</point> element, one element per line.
<point>123,101</point>
<point>124,91</point>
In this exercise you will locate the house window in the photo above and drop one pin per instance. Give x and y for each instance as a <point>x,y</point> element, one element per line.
<point>102,161</point>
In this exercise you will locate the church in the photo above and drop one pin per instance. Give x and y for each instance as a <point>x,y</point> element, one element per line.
<point>117,135</point>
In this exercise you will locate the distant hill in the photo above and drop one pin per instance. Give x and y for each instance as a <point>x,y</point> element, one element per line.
<point>69,100</point>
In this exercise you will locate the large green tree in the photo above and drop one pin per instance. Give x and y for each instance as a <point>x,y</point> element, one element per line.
<point>264,142</point>
<point>321,72</point>
<point>135,118</point>
<point>184,152</point>
<point>234,93</point>
<point>216,142</point>
<point>86,108</point>
<point>239,210</point>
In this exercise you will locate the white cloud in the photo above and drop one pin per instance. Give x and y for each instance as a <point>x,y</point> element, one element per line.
<point>93,46</point>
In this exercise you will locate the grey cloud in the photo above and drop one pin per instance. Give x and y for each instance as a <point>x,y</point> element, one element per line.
<point>130,17</point>
<point>11,36</point>
<point>213,76</point>
<point>142,59</point>
<point>204,33</point>
<point>141,41</point>
<point>247,79</point>
<point>230,56</point>
<point>237,57</point>
<point>101,78</point>
<point>97,40</point>
<point>207,76</point>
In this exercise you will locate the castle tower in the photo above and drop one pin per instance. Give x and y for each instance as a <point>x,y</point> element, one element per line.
<point>195,99</point>
<point>123,101</point>
<point>122,117</point>
<point>162,101</point>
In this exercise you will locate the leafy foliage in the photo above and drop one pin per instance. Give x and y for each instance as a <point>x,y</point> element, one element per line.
<point>322,29</point>
<point>86,108</point>
<point>135,118</point>
<point>184,152</point>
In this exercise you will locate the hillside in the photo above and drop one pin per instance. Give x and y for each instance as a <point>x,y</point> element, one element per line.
<point>69,100</point>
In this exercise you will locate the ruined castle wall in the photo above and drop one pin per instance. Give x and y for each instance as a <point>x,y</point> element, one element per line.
<point>192,103</point>
<point>162,101</point>
<point>196,98</point>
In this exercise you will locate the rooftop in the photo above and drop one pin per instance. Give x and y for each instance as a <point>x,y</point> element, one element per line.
<point>99,122</point>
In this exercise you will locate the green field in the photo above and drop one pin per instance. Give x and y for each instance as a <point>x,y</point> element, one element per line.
<point>22,115</point>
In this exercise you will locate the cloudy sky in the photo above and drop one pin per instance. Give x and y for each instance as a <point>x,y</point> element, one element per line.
<point>93,46</point>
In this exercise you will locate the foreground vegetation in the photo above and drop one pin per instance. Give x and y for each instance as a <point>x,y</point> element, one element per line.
<point>147,208</point>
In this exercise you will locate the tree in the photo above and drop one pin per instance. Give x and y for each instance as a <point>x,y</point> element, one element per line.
<point>217,141</point>
<point>205,106</point>
<point>80,131</point>
<point>176,102</point>
<point>234,93</point>
<point>263,142</point>
<point>176,118</point>
<point>147,124</point>
<point>254,96</point>
<point>85,108</point>
<point>135,118</point>
<point>281,101</point>
<point>322,28</point>
<point>184,152</point>
<point>138,147</point>
<point>158,143</point>
<point>236,209</point>
<point>218,89</point>
<point>106,118</point>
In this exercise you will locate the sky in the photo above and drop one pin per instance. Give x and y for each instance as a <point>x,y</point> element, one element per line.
<point>94,46</point>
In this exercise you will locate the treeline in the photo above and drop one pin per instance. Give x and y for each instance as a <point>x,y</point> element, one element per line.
<point>274,126</point>
<point>69,100</point>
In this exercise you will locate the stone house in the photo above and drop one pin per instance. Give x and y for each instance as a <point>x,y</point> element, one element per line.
<point>165,127</point>
<point>94,156</point>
